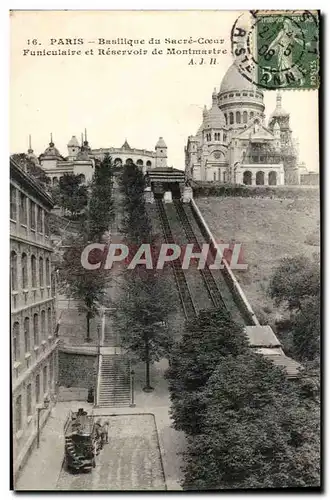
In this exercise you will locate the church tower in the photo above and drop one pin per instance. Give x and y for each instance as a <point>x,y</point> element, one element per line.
<point>161,153</point>
<point>73,147</point>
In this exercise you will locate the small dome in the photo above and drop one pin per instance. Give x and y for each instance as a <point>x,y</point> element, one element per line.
<point>279,111</point>
<point>214,118</point>
<point>161,143</point>
<point>51,150</point>
<point>73,142</point>
<point>233,80</point>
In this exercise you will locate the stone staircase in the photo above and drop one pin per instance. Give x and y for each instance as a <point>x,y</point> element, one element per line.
<point>114,381</point>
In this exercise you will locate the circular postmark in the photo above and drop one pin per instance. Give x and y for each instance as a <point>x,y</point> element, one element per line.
<point>277,49</point>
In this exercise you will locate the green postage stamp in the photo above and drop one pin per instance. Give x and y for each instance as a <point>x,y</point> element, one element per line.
<point>280,49</point>
<point>287,47</point>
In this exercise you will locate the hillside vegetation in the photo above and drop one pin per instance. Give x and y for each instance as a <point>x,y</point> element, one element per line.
<point>268,229</point>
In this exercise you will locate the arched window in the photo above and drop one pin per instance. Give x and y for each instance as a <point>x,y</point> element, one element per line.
<point>129,161</point>
<point>41,272</point>
<point>13,210</point>
<point>36,329</point>
<point>231,118</point>
<point>23,210</point>
<point>247,178</point>
<point>27,345</point>
<point>251,114</point>
<point>43,324</point>
<point>272,178</point>
<point>139,162</point>
<point>55,181</point>
<point>224,176</point>
<point>82,178</point>
<point>13,270</point>
<point>224,137</point>
<point>24,271</point>
<point>148,163</point>
<point>49,321</point>
<point>47,272</point>
<point>238,117</point>
<point>226,118</point>
<point>260,178</point>
<point>34,271</point>
<point>214,176</point>
<point>245,116</point>
<point>18,413</point>
<point>16,341</point>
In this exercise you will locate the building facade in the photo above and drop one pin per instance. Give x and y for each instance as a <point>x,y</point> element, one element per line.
<point>234,144</point>
<point>33,317</point>
<point>80,159</point>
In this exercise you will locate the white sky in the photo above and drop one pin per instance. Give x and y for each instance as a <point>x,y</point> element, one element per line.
<point>138,97</point>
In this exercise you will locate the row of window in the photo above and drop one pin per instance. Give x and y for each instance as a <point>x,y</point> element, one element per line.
<point>238,117</point>
<point>245,94</point>
<point>29,394</point>
<point>25,208</point>
<point>219,176</point>
<point>24,267</point>
<point>36,336</point>
<point>217,137</point>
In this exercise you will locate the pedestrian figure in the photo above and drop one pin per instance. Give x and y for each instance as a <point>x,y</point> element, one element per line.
<point>105,432</point>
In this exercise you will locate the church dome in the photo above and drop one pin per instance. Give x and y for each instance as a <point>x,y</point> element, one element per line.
<point>73,142</point>
<point>161,143</point>
<point>233,80</point>
<point>279,111</point>
<point>214,118</point>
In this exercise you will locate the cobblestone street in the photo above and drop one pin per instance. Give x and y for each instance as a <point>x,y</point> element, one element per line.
<point>131,460</point>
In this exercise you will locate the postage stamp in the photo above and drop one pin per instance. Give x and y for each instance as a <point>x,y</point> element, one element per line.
<point>282,49</point>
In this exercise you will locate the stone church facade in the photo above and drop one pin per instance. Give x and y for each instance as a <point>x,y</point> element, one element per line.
<point>234,144</point>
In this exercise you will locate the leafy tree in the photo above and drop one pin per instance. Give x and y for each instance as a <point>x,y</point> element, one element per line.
<point>86,286</point>
<point>101,210</point>
<point>256,432</point>
<point>206,339</point>
<point>142,317</point>
<point>71,194</point>
<point>136,223</point>
<point>296,278</point>
<point>296,284</point>
<point>33,169</point>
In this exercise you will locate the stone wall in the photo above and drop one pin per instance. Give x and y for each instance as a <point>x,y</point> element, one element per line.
<point>77,370</point>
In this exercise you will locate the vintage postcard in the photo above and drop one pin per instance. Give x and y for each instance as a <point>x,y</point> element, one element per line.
<point>165,250</point>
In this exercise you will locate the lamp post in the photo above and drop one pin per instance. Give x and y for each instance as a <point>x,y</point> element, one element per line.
<point>132,405</point>
<point>40,408</point>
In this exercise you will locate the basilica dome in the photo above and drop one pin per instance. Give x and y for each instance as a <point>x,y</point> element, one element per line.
<point>214,118</point>
<point>233,80</point>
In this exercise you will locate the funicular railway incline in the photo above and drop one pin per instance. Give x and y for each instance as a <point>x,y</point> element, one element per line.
<point>188,306</point>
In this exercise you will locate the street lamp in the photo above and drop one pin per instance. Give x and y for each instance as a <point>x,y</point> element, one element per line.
<point>41,407</point>
<point>132,405</point>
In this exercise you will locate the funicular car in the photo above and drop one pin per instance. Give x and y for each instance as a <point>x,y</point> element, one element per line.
<point>81,442</point>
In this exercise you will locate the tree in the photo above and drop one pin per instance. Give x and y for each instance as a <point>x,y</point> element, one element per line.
<point>87,286</point>
<point>71,194</point>
<point>32,169</point>
<point>206,339</point>
<point>256,432</point>
<point>295,279</point>
<point>296,284</point>
<point>142,315</point>
<point>101,210</point>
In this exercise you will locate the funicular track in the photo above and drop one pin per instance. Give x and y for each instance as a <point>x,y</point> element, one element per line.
<point>180,279</point>
<point>206,274</point>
